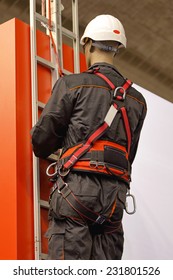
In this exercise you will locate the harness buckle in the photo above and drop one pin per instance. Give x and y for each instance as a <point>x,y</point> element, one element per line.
<point>133,202</point>
<point>100,165</point>
<point>120,88</point>
<point>100,220</point>
<point>53,189</point>
<point>93,164</point>
<point>62,187</point>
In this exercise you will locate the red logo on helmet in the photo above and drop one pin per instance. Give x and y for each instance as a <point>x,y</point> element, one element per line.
<point>116,31</point>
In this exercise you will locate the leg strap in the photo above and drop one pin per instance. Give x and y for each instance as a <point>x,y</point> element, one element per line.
<point>84,211</point>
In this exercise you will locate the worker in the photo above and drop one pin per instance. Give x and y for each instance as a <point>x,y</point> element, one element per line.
<point>95,119</point>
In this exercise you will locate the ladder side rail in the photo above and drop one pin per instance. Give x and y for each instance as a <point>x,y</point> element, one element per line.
<point>75,19</point>
<point>58,30</point>
<point>51,12</point>
<point>34,89</point>
<point>46,63</point>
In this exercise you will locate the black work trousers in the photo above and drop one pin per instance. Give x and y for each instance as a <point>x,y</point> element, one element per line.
<point>70,236</point>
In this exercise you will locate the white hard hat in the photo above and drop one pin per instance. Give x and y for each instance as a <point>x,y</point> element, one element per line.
<point>105,28</point>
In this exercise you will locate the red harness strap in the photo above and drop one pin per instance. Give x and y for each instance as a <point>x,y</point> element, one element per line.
<point>122,89</point>
<point>101,130</point>
<point>127,84</point>
<point>112,86</point>
<point>81,151</point>
<point>127,127</point>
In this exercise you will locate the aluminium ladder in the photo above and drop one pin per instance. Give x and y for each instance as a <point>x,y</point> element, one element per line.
<point>53,7</point>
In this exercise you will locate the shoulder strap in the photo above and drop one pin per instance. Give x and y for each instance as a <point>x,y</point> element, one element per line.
<point>112,86</point>
<point>121,96</point>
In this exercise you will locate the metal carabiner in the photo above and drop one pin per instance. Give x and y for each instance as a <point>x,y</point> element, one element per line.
<point>48,168</point>
<point>124,92</point>
<point>133,201</point>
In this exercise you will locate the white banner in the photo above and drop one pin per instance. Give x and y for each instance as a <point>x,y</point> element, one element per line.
<point>148,233</point>
<point>86,270</point>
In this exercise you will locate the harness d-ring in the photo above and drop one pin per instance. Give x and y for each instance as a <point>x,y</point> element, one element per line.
<point>124,92</point>
<point>133,201</point>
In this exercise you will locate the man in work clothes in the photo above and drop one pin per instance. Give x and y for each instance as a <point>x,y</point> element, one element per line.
<point>96,117</point>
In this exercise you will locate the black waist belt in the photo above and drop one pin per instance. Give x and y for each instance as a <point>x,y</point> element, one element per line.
<point>108,157</point>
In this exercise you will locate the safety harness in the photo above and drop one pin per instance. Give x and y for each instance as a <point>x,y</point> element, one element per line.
<point>98,156</point>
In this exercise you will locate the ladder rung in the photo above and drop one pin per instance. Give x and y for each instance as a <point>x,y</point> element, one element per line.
<point>41,105</point>
<point>50,65</point>
<point>45,62</point>
<point>67,72</point>
<point>68,33</point>
<point>44,204</point>
<point>44,256</point>
<point>43,19</point>
<point>65,31</point>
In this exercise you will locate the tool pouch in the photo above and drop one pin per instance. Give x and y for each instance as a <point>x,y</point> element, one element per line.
<point>115,157</point>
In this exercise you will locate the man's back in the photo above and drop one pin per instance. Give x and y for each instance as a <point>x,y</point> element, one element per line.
<point>78,106</point>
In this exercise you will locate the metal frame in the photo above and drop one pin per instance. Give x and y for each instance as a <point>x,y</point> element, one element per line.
<point>34,86</point>
<point>57,31</point>
<point>76,35</point>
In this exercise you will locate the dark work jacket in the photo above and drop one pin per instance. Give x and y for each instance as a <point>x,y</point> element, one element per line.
<point>78,106</point>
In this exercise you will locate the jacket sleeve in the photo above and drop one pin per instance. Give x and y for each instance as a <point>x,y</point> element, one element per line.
<point>136,136</point>
<point>49,131</point>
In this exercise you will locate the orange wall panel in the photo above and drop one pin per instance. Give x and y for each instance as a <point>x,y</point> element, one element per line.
<point>23,144</point>
<point>16,206</point>
<point>44,74</point>
<point>68,58</point>
<point>8,232</point>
